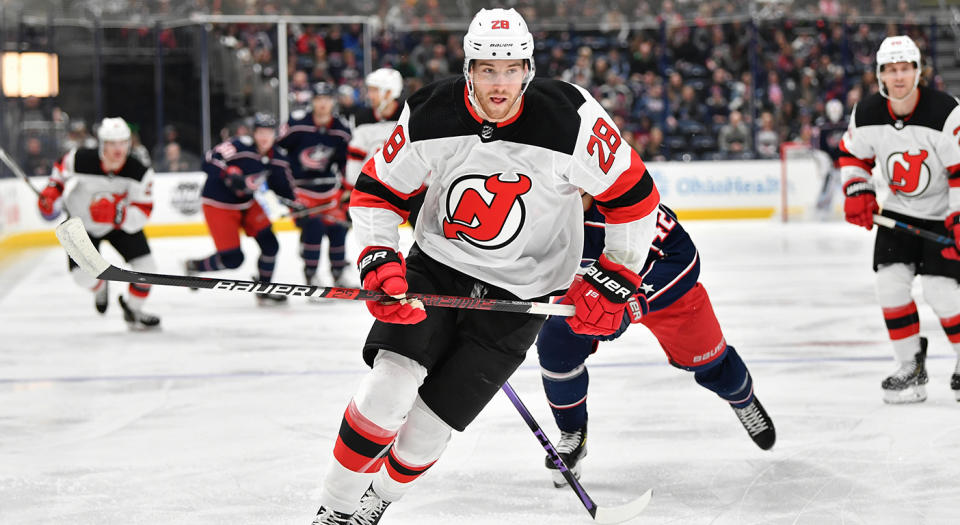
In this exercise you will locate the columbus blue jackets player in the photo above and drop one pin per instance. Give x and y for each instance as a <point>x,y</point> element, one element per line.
<point>316,141</point>
<point>235,170</point>
<point>673,305</point>
<point>502,218</point>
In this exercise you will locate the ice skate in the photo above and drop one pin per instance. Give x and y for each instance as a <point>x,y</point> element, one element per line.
<point>955,381</point>
<point>327,516</point>
<point>757,423</point>
<point>137,320</point>
<point>101,297</point>
<point>906,385</point>
<point>370,510</point>
<point>572,448</point>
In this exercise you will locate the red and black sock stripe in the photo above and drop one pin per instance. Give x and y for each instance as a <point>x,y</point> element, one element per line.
<point>139,290</point>
<point>902,321</point>
<point>951,327</point>
<point>403,473</point>
<point>361,445</point>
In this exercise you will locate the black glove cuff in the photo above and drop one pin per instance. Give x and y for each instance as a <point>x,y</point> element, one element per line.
<point>613,285</point>
<point>374,257</point>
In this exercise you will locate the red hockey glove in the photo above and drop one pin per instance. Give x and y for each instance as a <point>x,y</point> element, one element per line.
<point>600,297</point>
<point>383,270</point>
<point>861,203</point>
<point>108,210</point>
<point>952,222</point>
<point>48,199</point>
<point>236,181</point>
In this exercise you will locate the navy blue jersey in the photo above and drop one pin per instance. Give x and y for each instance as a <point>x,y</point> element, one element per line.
<point>274,168</point>
<point>318,155</point>
<point>672,267</point>
<point>831,133</point>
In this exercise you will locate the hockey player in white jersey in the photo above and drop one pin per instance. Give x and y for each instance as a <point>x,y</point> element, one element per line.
<point>502,218</point>
<point>111,192</point>
<point>384,87</point>
<point>908,135</point>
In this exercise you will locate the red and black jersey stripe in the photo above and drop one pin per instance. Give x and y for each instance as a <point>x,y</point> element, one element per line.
<point>371,192</point>
<point>632,197</point>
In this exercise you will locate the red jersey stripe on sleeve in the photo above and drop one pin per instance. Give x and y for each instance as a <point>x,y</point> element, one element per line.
<point>864,164</point>
<point>146,208</point>
<point>632,197</point>
<point>361,199</point>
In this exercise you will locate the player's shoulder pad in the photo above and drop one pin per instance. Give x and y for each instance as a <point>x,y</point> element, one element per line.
<point>133,169</point>
<point>433,110</point>
<point>871,111</point>
<point>933,109</point>
<point>340,123</point>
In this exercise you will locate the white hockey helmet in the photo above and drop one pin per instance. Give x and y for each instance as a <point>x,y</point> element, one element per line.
<point>834,110</point>
<point>497,34</point>
<point>894,49</point>
<point>113,129</point>
<point>389,81</point>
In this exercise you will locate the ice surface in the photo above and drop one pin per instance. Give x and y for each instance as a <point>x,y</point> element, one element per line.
<point>229,414</point>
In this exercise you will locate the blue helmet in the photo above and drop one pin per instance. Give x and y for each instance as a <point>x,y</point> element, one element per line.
<point>324,89</point>
<point>264,120</point>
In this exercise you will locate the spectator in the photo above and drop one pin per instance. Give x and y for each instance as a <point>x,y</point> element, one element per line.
<point>768,140</point>
<point>35,162</point>
<point>173,160</point>
<point>734,137</point>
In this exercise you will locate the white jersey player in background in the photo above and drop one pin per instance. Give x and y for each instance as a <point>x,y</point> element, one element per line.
<point>111,192</point>
<point>911,133</point>
<point>384,87</point>
<point>502,218</point>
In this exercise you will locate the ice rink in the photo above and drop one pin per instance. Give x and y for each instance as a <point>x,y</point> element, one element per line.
<point>229,414</point>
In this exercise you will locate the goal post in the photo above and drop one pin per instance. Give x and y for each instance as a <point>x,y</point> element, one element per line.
<point>806,193</point>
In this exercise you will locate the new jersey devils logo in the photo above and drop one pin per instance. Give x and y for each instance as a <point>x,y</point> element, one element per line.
<point>486,212</point>
<point>909,174</point>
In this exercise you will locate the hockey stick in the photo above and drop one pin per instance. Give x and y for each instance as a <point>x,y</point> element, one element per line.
<point>617,514</point>
<point>19,173</point>
<point>16,170</point>
<point>894,224</point>
<point>75,240</point>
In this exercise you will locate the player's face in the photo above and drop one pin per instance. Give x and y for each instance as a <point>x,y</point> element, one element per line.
<point>373,96</point>
<point>497,85</point>
<point>115,151</point>
<point>264,138</point>
<point>323,106</point>
<point>898,78</point>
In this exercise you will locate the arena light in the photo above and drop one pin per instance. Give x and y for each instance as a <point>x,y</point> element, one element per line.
<point>30,74</point>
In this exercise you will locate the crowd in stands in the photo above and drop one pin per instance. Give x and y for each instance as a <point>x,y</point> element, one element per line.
<point>677,75</point>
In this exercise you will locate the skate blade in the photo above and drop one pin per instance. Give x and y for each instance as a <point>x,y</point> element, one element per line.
<point>914,394</point>
<point>559,481</point>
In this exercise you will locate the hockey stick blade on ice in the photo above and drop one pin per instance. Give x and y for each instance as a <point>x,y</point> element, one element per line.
<point>894,224</point>
<point>618,514</point>
<point>75,240</point>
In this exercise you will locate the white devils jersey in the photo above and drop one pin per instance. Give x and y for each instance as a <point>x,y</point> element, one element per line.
<point>918,157</point>
<point>503,204</point>
<point>82,174</point>
<point>365,141</point>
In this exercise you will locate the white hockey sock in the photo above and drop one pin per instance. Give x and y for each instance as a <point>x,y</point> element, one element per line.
<point>420,442</point>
